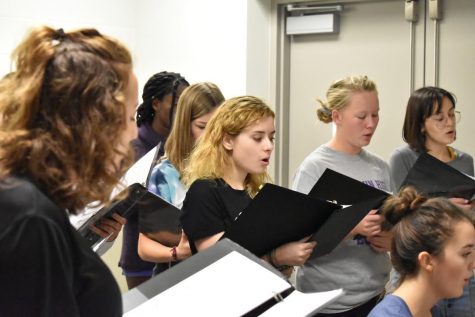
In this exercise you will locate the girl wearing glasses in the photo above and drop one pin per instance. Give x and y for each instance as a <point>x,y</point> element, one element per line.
<point>430,126</point>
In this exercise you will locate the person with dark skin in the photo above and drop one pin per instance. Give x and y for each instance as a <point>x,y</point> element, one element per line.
<point>154,120</point>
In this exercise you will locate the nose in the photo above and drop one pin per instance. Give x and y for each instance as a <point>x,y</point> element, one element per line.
<point>449,121</point>
<point>268,144</point>
<point>372,122</point>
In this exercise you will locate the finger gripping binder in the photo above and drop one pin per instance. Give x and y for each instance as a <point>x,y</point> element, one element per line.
<point>136,196</point>
<point>358,197</point>
<point>223,280</point>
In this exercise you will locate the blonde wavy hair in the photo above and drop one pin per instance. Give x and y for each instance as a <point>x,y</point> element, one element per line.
<point>195,101</point>
<point>339,94</point>
<point>210,159</point>
<point>62,111</point>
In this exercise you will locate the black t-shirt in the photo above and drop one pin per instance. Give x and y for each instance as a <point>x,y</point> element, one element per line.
<point>46,268</point>
<point>210,206</point>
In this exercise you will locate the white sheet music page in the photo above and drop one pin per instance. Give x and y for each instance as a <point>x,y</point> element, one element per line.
<point>231,286</point>
<point>138,172</point>
<point>299,304</point>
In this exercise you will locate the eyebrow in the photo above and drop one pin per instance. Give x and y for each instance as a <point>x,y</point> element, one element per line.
<point>262,132</point>
<point>468,246</point>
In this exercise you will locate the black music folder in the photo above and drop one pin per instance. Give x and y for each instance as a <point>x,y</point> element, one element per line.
<point>358,199</point>
<point>223,280</point>
<point>343,189</point>
<point>137,196</point>
<point>276,216</point>
<point>436,178</point>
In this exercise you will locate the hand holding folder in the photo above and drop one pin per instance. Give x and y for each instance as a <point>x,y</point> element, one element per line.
<point>343,190</point>
<point>137,196</point>
<point>277,216</point>
<point>436,178</point>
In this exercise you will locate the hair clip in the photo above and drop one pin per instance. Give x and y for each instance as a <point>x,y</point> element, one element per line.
<point>59,35</point>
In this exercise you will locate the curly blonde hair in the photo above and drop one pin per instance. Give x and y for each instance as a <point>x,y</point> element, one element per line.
<point>209,160</point>
<point>62,111</point>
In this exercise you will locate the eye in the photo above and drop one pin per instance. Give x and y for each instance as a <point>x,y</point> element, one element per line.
<point>467,254</point>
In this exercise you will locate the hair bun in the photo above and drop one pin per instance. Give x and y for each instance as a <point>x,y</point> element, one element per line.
<point>324,114</point>
<point>404,203</point>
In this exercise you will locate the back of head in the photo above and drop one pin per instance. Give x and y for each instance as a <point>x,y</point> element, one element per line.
<point>339,94</point>
<point>62,111</point>
<point>419,224</point>
<point>210,159</point>
<point>422,103</point>
<point>156,88</point>
<point>195,101</point>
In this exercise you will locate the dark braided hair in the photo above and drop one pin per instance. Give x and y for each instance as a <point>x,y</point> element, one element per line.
<point>157,87</point>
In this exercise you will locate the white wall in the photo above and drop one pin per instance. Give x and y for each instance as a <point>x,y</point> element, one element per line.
<point>203,40</point>
<point>18,16</point>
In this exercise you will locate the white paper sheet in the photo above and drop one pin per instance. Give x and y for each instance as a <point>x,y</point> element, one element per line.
<point>231,286</point>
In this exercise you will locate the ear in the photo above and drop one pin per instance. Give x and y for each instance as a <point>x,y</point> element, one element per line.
<point>426,262</point>
<point>156,105</point>
<point>336,116</point>
<point>228,142</point>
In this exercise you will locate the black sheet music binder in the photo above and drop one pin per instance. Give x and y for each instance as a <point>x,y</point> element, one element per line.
<point>223,280</point>
<point>276,216</point>
<point>436,178</point>
<point>138,197</point>
<point>344,190</point>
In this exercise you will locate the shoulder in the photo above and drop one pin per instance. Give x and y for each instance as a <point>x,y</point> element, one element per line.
<point>21,198</point>
<point>314,161</point>
<point>204,187</point>
<point>403,150</point>
<point>140,148</point>
<point>391,306</point>
<point>463,156</point>
<point>164,170</point>
<point>374,159</point>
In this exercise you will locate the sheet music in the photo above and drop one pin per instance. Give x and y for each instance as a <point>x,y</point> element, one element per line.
<point>231,286</point>
<point>138,172</point>
<point>302,304</point>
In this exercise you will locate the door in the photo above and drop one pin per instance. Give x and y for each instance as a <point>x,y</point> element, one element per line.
<point>375,39</point>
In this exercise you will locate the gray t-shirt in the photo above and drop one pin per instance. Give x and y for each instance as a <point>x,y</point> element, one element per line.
<point>353,265</point>
<point>404,157</point>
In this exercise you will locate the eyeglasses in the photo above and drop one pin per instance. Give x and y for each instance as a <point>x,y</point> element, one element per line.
<point>441,120</point>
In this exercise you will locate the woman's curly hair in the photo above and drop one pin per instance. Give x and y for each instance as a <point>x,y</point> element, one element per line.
<point>62,113</point>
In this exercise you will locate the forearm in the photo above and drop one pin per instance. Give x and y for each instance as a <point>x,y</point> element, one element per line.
<point>152,251</point>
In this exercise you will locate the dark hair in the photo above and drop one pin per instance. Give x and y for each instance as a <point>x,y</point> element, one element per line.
<point>158,87</point>
<point>421,105</point>
<point>61,111</point>
<point>419,224</point>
